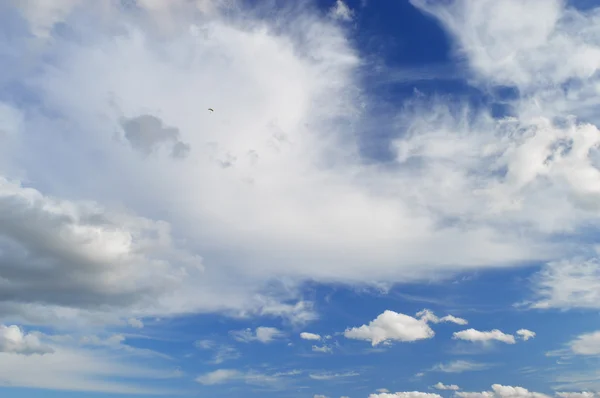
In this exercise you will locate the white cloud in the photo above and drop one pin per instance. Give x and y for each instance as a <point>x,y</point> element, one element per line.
<point>500,391</point>
<point>568,284</point>
<point>309,336</point>
<point>222,352</point>
<point>14,340</point>
<point>324,348</point>
<point>320,396</point>
<point>584,394</point>
<point>262,334</point>
<point>586,344</point>
<point>407,394</point>
<point>223,376</point>
<point>460,366</point>
<point>341,11</point>
<point>442,386</point>
<point>525,334</point>
<point>81,369</point>
<point>331,376</point>
<point>429,316</point>
<point>135,323</point>
<point>286,196</point>
<point>485,336</point>
<point>390,326</point>
<point>219,376</point>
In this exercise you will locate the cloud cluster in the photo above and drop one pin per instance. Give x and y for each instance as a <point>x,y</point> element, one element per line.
<point>391,326</point>
<point>14,340</point>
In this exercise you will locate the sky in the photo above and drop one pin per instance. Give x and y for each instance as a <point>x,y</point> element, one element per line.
<point>358,198</point>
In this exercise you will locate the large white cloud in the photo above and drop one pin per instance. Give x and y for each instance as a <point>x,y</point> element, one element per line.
<point>391,326</point>
<point>271,185</point>
<point>275,166</point>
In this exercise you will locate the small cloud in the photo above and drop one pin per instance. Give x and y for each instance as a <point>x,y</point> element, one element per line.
<point>222,353</point>
<point>309,336</point>
<point>324,348</point>
<point>14,340</point>
<point>586,344</point>
<point>390,326</point>
<point>442,386</point>
<point>406,394</point>
<point>341,11</point>
<point>428,316</point>
<point>262,334</point>
<point>219,376</point>
<point>460,366</point>
<point>382,390</point>
<point>135,323</point>
<point>146,133</point>
<point>484,337</point>
<point>525,334</point>
<point>330,376</point>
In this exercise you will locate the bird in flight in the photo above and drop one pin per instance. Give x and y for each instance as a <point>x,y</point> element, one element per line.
<point>211,109</point>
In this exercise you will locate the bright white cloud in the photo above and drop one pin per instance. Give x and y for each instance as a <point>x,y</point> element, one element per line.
<point>309,336</point>
<point>341,11</point>
<point>391,326</point>
<point>525,334</point>
<point>485,336</point>
<point>262,334</point>
<point>500,391</point>
<point>14,340</point>
<point>460,366</point>
<point>442,386</point>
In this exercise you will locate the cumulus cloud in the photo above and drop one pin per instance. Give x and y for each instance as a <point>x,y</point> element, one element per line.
<point>485,336</point>
<point>407,394</point>
<point>14,340</point>
<point>525,334</point>
<point>94,238</point>
<point>500,391</point>
<point>460,366</point>
<point>442,386</point>
<point>275,151</point>
<point>262,334</point>
<point>391,326</point>
<point>309,336</point>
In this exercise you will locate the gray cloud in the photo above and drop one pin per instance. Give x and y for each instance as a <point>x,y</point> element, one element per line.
<point>146,133</point>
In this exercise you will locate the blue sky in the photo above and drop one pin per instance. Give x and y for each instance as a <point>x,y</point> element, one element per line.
<point>391,199</point>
